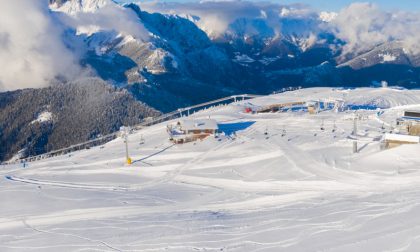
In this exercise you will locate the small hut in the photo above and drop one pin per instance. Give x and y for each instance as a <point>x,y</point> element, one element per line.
<point>312,107</point>
<point>410,123</point>
<point>395,140</point>
<point>188,130</point>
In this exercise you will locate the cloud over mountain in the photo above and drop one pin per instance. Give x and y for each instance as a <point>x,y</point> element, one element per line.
<point>360,25</point>
<point>364,25</point>
<point>31,48</point>
<point>106,17</point>
<point>216,17</point>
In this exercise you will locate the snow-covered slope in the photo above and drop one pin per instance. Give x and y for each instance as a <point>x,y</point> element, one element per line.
<point>272,182</point>
<point>388,53</point>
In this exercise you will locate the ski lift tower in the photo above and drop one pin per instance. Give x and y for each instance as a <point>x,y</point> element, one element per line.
<point>125,131</point>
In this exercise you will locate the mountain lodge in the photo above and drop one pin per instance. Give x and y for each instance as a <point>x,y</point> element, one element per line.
<point>188,130</point>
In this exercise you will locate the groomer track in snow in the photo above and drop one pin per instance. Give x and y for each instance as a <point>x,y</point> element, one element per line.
<point>275,182</point>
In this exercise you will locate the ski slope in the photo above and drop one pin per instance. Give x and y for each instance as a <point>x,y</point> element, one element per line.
<point>274,182</point>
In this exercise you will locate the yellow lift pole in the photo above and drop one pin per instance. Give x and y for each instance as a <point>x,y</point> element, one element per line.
<point>125,131</point>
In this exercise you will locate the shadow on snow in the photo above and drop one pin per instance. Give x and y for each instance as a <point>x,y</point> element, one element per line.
<point>152,155</point>
<point>231,128</point>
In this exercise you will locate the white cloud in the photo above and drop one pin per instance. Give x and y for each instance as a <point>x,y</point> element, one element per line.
<point>32,51</point>
<point>216,17</point>
<point>326,16</point>
<point>109,17</point>
<point>364,25</point>
<point>361,25</point>
<point>31,48</point>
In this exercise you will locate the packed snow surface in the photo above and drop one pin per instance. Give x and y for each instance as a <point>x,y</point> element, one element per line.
<point>271,182</point>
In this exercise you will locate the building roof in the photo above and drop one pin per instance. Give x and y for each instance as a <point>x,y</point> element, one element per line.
<point>408,118</point>
<point>412,113</point>
<point>402,138</point>
<point>199,124</point>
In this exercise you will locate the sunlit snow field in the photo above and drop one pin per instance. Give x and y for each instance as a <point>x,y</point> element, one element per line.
<point>276,183</point>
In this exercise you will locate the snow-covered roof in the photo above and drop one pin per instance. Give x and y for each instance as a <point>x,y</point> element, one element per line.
<point>402,138</point>
<point>200,124</point>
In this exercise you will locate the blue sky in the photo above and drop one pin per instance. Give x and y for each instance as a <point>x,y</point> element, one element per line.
<point>334,5</point>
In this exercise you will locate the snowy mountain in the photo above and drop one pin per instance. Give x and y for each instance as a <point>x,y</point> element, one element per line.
<point>390,53</point>
<point>174,55</point>
<point>72,7</point>
<point>285,181</point>
<point>269,182</point>
<point>328,16</point>
<point>167,47</point>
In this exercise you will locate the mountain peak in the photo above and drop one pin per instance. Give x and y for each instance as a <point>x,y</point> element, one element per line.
<point>73,7</point>
<point>327,16</point>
